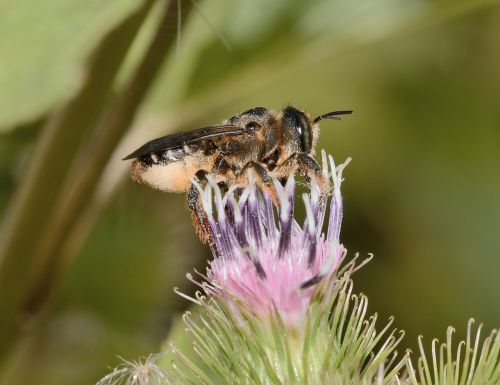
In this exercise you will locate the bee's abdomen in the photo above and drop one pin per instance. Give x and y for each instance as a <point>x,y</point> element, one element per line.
<point>171,170</point>
<point>163,157</point>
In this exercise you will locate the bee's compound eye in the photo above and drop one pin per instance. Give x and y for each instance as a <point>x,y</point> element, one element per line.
<point>297,128</point>
<point>252,126</point>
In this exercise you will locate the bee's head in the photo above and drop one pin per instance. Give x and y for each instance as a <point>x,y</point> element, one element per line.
<point>299,132</point>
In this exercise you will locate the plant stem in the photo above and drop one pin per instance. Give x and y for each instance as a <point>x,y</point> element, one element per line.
<point>33,205</point>
<point>92,161</point>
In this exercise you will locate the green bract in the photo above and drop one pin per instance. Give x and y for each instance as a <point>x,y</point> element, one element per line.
<point>339,343</point>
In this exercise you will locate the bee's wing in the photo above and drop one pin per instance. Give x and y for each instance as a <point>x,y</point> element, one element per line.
<point>178,140</point>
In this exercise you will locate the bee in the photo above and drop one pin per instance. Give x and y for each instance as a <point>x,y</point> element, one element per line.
<point>265,141</point>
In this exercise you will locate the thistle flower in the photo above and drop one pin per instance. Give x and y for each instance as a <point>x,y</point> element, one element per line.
<point>276,308</point>
<point>271,265</point>
<point>338,344</point>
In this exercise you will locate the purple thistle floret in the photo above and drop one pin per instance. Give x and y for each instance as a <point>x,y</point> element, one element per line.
<point>263,258</point>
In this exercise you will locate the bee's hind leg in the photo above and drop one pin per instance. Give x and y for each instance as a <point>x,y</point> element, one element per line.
<point>200,219</point>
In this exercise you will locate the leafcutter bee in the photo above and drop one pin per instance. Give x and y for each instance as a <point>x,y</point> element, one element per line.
<point>262,140</point>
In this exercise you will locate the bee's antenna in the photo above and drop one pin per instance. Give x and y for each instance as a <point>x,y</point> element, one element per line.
<point>332,115</point>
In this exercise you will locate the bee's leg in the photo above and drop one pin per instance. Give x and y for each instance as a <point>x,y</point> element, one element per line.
<point>263,180</point>
<point>220,167</point>
<point>307,167</point>
<point>200,220</point>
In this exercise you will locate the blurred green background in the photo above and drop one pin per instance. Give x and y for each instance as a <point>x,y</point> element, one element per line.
<point>89,260</point>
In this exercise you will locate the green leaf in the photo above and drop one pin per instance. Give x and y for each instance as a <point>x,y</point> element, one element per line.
<point>43,45</point>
